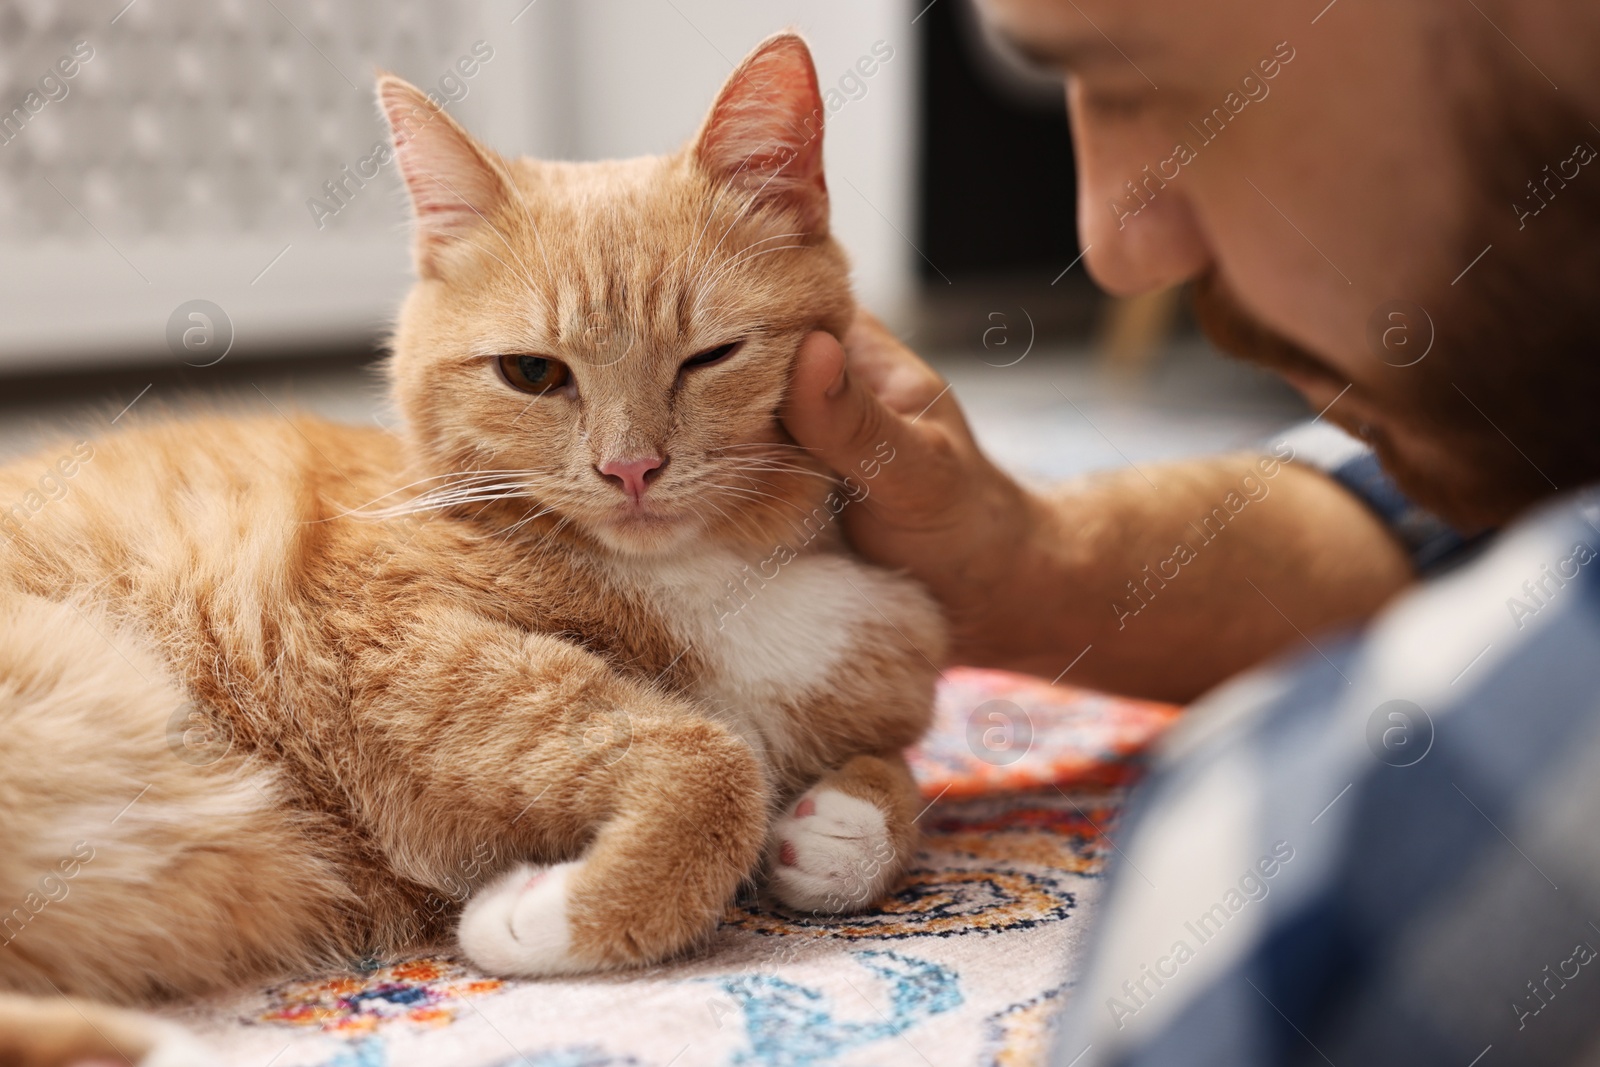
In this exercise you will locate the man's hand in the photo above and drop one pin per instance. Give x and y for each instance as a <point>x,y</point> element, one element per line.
<point>936,506</point>
<point>1037,582</point>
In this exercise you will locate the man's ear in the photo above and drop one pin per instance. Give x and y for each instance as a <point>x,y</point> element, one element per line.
<point>764,133</point>
<point>455,183</point>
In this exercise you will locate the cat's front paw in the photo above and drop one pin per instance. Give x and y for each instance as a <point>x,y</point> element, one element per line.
<point>176,1048</point>
<point>831,853</point>
<point>518,925</point>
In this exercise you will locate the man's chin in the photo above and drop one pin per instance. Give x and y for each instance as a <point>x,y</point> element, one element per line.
<point>1319,392</point>
<point>1471,488</point>
<point>1440,452</point>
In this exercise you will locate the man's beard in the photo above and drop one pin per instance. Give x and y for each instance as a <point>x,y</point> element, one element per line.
<point>1503,410</point>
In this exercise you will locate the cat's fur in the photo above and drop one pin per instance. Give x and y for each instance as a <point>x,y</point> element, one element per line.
<point>301,689</point>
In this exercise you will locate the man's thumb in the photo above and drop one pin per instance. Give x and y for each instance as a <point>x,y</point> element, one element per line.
<point>830,412</point>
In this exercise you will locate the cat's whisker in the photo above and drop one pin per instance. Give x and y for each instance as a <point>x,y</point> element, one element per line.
<point>754,474</point>
<point>475,473</point>
<point>756,502</point>
<point>468,491</point>
<point>476,487</point>
<point>727,268</point>
<point>778,461</point>
<point>771,465</point>
<point>489,497</point>
<point>754,493</point>
<point>711,213</point>
<point>432,502</point>
<point>741,522</point>
<point>719,449</point>
<point>777,467</point>
<point>824,478</point>
<point>759,444</point>
<point>486,502</point>
<point>750,202</point>
<point>558,527</point>
<point>532,515</point>
<point>669,265</point>
<point>463,480</point>
<point>474,492</point>
<point>505,534</point>
<point>735,258</point>
<point>749,471</point>
<point>464,497</point>
<point>714,309</point>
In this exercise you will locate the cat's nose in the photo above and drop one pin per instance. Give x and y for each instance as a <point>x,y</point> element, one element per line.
<point>632,476</point>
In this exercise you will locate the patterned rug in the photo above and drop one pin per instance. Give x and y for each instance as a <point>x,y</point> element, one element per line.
<point>964,964</point>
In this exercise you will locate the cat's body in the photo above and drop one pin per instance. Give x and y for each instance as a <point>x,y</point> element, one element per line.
<point>279,692</point>
<point>384,700</point>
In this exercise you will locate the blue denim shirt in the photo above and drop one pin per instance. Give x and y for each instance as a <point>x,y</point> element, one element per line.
<point>1382,850</point>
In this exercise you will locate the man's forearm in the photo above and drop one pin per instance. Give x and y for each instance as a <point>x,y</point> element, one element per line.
<point>1168,581</point>
<point>1165,581</point>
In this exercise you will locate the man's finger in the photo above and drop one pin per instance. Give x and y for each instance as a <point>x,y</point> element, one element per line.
<point>832,413</point>
<point>891,370</point>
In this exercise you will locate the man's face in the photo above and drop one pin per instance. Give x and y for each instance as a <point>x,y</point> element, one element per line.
<point>1330,175</point>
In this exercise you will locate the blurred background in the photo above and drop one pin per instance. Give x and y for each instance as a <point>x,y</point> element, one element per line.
<point>190,204</point>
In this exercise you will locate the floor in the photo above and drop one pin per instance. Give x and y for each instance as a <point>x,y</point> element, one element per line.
<point>1053,414</point>
<point>1058,413</point>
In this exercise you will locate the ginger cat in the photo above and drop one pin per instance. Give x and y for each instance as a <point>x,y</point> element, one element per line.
<point>580,648</point>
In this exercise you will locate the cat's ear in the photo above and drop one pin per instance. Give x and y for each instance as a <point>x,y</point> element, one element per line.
<point>764,133</point>
<point>455,183</point>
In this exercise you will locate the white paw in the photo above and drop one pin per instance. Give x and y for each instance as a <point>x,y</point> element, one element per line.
<point>517,925</point>
<point>831,853</point>
<point>175,1047</point>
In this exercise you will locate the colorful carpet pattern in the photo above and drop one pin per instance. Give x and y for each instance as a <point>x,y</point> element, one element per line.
<point>963,964</point>
<point>995,732</point>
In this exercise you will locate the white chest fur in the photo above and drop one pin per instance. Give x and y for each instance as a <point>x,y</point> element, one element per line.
<point>769,633</point>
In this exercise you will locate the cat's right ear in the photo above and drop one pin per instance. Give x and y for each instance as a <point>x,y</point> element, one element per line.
<point>764,133</point>
<point>456,184</point>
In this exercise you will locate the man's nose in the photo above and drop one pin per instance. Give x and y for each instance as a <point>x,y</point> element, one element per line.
<point>633,476</point>
<point>1159,247</point>
<point>1139,229</point>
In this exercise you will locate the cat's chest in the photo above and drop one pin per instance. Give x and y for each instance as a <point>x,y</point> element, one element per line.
<point>766,634</point>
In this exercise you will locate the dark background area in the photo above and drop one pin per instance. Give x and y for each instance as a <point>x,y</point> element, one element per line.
<point>998,184</point>
<point>996,215</point>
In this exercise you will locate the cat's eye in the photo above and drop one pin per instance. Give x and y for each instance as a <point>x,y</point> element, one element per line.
<point>710,356</point>
<point>534,374</point>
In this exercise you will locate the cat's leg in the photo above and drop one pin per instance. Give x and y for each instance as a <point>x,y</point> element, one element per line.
<point>685,828</point>
<point>845,841</point>
<point>58,1032</point>
<point>140,855</point>
<point>635,814</point>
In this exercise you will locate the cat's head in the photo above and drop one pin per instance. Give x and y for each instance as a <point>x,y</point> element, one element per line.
<point>612,340</point>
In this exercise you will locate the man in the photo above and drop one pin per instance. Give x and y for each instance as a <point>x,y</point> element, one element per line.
<point>1384,847</point>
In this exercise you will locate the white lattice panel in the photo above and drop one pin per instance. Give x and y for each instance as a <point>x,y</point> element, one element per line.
<point>170,150</point>
<point>177,161</point>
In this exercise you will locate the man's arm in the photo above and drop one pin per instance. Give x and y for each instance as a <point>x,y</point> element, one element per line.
<point>1029,580</point>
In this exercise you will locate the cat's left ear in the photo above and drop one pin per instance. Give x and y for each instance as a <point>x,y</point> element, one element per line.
<point>764,133</point>
<point>455,183</point>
